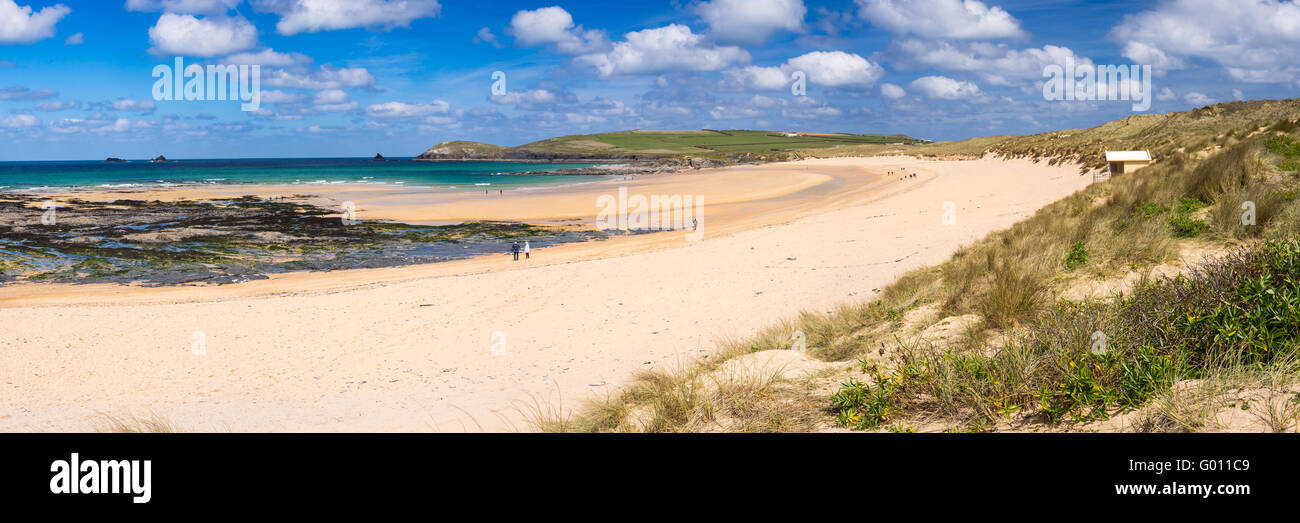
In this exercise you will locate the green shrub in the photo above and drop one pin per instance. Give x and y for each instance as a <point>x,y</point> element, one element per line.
<point>1242,309</point>
<point>1284,145</point>
<point>1152,210</point>
<point>1078,256</point>
<point>1185,226</point>
<point>1189,205</point>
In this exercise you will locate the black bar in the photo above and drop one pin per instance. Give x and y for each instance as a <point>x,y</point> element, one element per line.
<point>1047,470</point>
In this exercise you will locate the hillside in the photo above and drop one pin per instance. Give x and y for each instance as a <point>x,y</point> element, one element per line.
<point>1159,301</point>
<point>1164,135</point>
<point>655,145</point>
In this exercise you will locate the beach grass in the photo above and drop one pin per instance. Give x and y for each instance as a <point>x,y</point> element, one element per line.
<point>1045,366</point>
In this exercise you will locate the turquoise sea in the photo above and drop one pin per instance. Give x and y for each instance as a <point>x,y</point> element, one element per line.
<point>61,175</point>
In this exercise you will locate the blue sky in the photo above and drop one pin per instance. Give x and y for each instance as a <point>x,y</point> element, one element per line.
<point>356,77</point>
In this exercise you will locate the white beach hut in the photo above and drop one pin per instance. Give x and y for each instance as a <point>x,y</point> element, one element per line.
<point>1121,162</point>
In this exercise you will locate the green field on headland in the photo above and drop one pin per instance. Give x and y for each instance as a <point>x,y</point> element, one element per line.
<point>650,145</point>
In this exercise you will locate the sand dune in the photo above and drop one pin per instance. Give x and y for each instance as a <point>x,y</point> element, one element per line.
<point>464,345</point>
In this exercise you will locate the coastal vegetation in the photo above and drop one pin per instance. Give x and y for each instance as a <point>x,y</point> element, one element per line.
<point>1170,347</point>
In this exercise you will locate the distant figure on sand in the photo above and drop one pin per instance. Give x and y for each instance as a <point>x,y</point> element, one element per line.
<point>515,249</point>
<point>527,251</point>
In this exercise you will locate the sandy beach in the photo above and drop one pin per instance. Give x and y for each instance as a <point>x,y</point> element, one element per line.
<point>467,345</point>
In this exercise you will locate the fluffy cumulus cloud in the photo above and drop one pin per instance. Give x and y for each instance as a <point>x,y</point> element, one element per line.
<point>333,100</point>
<point>891,91</point>
<point>274,96</point>
<point>1198,99</point>
<point>669,48</point>
<point>836,68</point>
<point>408,110</point>
<point>996,64</point>
<point>188,35</point>
<point>19,24</point>
<point>267,58</point>
<point>826,68</point>
<point>1253,40</point>
<point>944,88</point>
<point>310,16</point>
<point>182,6</point>
<point>327,77</point>
<point>19,121</point>
<point>956,19</point>
<point>555,27</point>
<point>751,21</point>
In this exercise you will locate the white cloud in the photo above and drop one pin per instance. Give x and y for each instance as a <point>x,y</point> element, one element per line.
<point>1166,94</point>
<point>828,68</point>
<point>407,110</point>
<point>996,64</point>
<point>669,48</point>
<point>836,68</point>
<point>19,120</point>
<point>333,100</point>
<point>527,99</point>
<point>734,112</point>
<point>944,88</point>
<point>310,16</point>
<point>485,36</point>
<point>58,105</point>
<point>756,77</point>
<point>1145,54</point>
<point>958,19</point>
<point>554,26</point>
<point>182,6</point>
<point>806,107</point>
<point>187,35</point>
<point>1238,95</point>
<point>127,104</point>
<point>751,21</point>
<point>327,77</point>
<point>19,25</point>
<point>1253,40</point>
<point>1198,99</point>
<point>272,96</point>
<point>891,91</point>
<point>19,92</point>
<point>97,125</point>
<point>75,39</point>
<point>267,58</point>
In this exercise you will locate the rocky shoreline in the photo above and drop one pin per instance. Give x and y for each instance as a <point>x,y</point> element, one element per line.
<point>229,240</point>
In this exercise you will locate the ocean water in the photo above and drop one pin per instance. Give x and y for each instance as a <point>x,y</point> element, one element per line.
<point>62,175</point>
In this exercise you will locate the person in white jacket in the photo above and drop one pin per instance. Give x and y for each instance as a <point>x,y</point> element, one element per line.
<point>527,250</point>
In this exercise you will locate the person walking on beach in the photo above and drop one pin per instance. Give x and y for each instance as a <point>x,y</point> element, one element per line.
<point>527,251</point>
<point>515,249</point>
